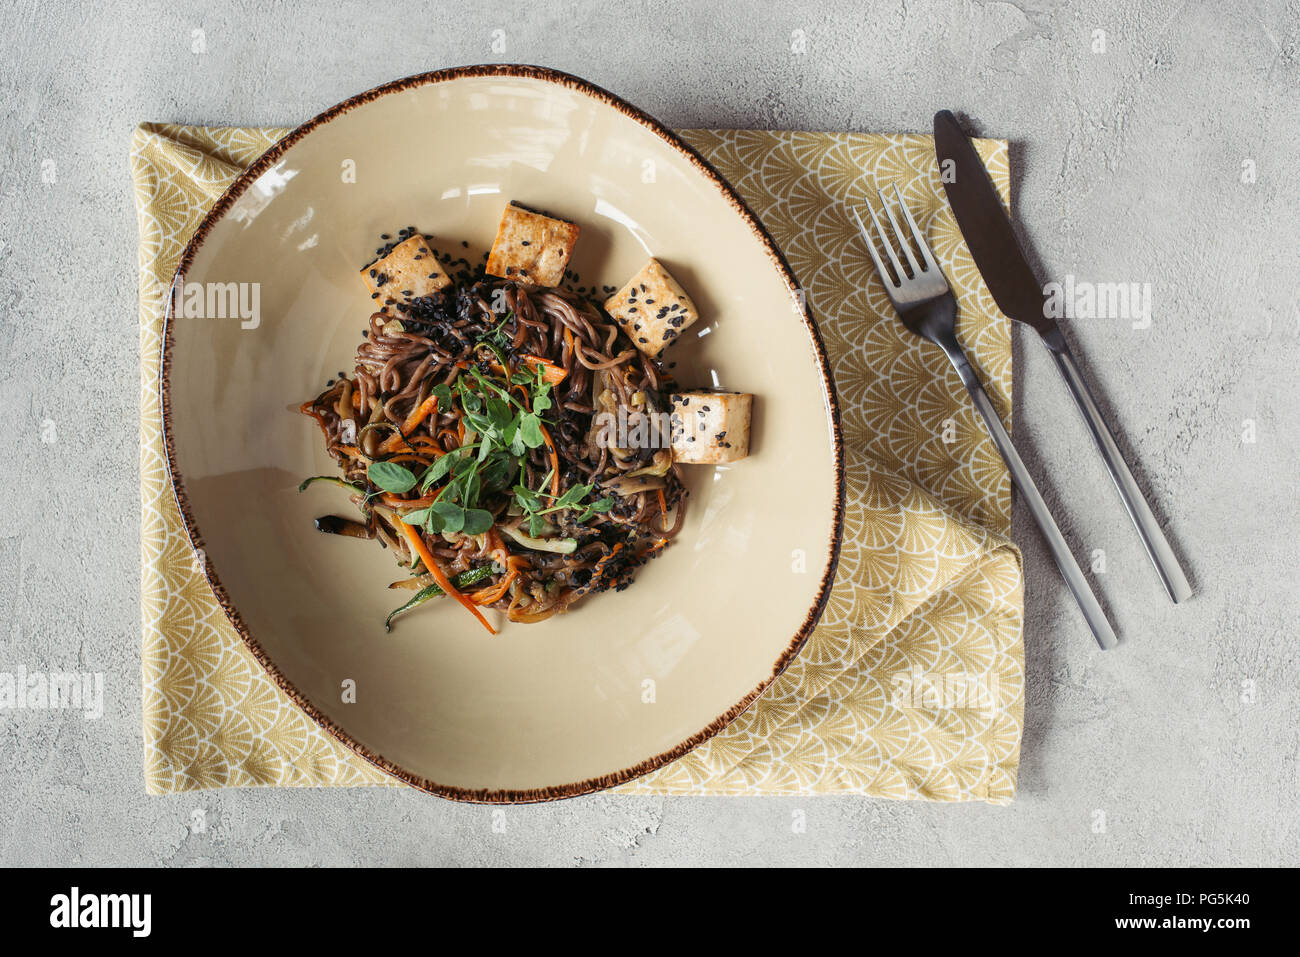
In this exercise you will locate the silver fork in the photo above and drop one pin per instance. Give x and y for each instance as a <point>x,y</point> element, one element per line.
<point>925,304</point>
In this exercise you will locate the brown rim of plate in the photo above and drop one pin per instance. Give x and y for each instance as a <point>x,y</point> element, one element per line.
<point>545,74</point>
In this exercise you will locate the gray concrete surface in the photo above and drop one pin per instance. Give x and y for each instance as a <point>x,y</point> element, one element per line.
<point>1130,168</point>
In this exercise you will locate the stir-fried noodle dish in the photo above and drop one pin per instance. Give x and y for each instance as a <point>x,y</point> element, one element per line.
<point>514,442</point>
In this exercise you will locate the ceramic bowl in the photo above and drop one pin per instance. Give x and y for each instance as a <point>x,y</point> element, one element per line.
<point>625,682</point>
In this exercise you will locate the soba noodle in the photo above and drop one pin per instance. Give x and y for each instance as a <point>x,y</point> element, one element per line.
<point>438,339</point>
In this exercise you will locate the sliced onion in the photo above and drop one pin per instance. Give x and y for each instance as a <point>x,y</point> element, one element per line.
<point>560,546</point>
<point>628,485</point>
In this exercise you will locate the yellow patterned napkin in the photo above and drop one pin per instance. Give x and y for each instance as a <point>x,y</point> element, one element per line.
<point>911,686</point>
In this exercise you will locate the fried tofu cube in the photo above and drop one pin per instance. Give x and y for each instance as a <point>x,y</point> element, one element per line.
<point>709,428</point>
<point>410,271</point>
<point>652,308</point>
<point>532,247</point>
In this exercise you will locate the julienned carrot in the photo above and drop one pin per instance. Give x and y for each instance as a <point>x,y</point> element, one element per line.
<point>551,373</point>
<point>599,567</point>
<point>555,461</point>
<point>413,419</point>
<point>663,511</point>
<point>396,501</point>
<point>487,596</point>
<point>434,569</point>
<point>307,409</point>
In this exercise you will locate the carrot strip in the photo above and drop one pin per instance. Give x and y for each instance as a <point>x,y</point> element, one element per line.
<point>440,576</point>
<point>663,510</point>
<point>413,419</point>
<point>395,501</point>
<point>551,373</point>
<point>599,568</point>
<point>410,457</point>
<point>306,409</point>
<point>555,462</point>
<point>487,596</point>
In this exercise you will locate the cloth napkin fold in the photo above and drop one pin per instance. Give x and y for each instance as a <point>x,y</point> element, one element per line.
<point>912,684</point>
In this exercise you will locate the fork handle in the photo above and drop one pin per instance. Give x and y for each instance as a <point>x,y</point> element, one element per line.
<point>1153,539</point>
<point>1070,571</point>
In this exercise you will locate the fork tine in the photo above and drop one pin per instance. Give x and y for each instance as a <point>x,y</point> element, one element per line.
<point>898,232</point>
<point>921,244</point>
<point>871,248</point>
<point>886,245</point>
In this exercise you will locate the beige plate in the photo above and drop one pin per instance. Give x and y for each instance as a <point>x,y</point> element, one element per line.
<point>626,681</point>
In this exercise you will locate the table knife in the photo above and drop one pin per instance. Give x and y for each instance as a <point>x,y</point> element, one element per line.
<point>987,229</point>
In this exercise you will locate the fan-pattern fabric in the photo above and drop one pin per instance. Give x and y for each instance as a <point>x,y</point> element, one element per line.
<point>912,684</point>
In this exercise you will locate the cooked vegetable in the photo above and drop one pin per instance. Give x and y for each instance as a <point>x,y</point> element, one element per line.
<point>560,546</point>
<point>440,576</point>
<point>473,430</point>
<point>333,525</point>
<point>332,480</point>
<point>463,580</point>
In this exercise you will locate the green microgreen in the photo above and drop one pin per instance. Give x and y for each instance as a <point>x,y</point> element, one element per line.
<point>501,427</point>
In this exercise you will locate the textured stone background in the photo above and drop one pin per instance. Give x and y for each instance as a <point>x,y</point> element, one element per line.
<point>1129,169</point>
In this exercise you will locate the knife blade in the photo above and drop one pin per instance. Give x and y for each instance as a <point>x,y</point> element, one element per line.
<point>986,226</point>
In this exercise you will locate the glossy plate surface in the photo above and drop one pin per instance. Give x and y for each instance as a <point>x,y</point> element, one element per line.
<point>626,681</point>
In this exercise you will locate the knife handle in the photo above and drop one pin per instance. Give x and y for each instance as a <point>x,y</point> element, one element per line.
<point>1070,571</point>
<point>1148,529</point>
